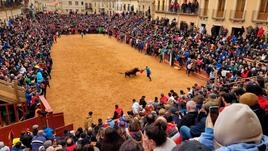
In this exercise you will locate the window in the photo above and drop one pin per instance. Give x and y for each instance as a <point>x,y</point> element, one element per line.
<point>220,10</point>
<point>70,2</point>
<point>76,3</point>
<point>263,10</point>
<point>239,10</point>
<point>82,3</point>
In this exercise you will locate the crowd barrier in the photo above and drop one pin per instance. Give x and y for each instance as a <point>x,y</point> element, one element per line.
<point>54,121</point>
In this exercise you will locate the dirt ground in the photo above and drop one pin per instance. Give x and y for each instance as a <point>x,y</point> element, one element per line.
<point>85,77</point>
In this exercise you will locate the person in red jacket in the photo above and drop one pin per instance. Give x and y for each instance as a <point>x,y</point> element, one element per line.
<point>257,90</point>
<point>260,32</point>
<point>245,73</point>
<point>118,112</point>
<point>163,99</point>
<point>70,145</point>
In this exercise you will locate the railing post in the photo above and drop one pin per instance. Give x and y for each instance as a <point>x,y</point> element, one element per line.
<point>16,90</point>
<point>23,106</point>
<point>16,112</point>
<point>8,115</point>
<point>1,122</point>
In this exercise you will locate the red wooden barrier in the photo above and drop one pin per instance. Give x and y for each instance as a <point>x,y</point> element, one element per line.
<point>15,107</point>
<point>45,104</point>
<point>55,120</point>
<point>16,128</point>
<point>60,131</point>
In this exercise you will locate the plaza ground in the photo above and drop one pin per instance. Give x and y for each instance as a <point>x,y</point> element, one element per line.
<point>86,77</point>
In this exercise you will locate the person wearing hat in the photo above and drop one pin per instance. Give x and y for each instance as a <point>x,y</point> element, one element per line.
<point>251,100</point>
<point>257,90</point>
<point>236,128</point>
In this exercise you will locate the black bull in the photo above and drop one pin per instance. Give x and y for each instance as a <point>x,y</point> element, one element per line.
<point>132,72</point>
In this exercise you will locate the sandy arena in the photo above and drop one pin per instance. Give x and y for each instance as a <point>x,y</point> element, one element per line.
<point>85,77</point>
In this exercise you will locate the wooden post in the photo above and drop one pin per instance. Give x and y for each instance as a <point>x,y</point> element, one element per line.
<point>23,106</point>
<point>1,122</point>
<point>16,112</point>
<point>8,114</point>
<point>16,91</point>
<point>216,77</point>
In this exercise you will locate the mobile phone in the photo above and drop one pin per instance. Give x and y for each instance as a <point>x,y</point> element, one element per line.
<point>214,113</point>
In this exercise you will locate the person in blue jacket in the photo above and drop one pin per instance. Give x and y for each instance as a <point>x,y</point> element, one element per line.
<point>148,72</point>
<point>236,129</point>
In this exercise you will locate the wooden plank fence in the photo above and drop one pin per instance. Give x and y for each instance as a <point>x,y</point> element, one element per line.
<point>11,92</point>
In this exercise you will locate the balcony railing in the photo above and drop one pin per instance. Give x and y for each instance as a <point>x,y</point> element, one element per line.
<point>260,17</point>
<point>237,15</point>
<point>4,8</point>
<point>8,5</point>
<point>179,12</point>
<point>218,14</point>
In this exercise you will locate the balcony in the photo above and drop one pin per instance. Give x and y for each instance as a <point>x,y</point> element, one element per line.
<point>179,12</point>
<point>218,14</point>
<point>188,12</point>
<point>166,12</point>
<point>9,6</point>
<point>260,17</point>
<point>237,15</point>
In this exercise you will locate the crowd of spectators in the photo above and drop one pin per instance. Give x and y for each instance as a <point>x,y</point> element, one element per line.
<point>229,119</point>
<point>189,8</point>
<point>230,110</point>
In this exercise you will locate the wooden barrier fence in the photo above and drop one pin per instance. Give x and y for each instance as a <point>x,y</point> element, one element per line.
<point>54,121</point>
<point>11,92</point>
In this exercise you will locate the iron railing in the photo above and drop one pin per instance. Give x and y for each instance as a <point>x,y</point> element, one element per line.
<point>179,12</point>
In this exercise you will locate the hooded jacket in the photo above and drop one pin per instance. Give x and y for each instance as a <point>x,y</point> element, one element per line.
<point>263,146</point>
